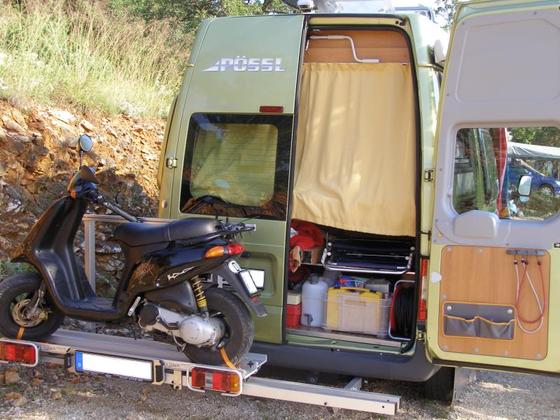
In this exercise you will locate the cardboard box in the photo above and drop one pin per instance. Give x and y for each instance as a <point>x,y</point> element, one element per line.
<point>312,256</point>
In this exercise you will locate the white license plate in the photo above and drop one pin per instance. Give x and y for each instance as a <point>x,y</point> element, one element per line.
<point>111,365</point>
<point>258,277</point>
<point>248,281</point>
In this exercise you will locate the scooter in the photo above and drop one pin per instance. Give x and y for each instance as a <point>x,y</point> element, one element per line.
<point>179,278</point>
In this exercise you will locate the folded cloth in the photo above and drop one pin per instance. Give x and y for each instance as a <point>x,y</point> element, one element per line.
<point>308,235</point>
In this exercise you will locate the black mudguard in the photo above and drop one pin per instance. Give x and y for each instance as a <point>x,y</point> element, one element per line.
<point>233,280</point>
<point>179,298</point>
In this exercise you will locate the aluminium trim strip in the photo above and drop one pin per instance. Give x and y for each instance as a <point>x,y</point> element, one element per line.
<point>324,396</point>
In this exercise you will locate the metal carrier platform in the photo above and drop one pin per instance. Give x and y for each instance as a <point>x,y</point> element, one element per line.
<point>160,363</point>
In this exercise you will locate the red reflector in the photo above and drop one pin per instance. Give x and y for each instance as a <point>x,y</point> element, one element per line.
<point>26,354</point>
<point>424,267</point>
<point>235,249</point>
<point>216,380</point>
<point>422,306</point>
<point>422,310</point>
<point>271,109</point>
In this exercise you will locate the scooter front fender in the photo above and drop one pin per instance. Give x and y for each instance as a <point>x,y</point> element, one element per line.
<point>234,280</point>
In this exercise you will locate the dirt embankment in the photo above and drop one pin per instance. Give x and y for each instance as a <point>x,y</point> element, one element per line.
<point>39,153</point>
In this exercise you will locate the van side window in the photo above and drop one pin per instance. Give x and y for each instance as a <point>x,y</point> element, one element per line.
<point>237,165</point>
<point>513,172</point>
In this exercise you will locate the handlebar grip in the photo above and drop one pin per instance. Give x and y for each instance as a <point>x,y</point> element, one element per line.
<point>120,212</point>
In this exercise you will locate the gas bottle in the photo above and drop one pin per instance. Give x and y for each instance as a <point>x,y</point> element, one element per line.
<point>313,295</point>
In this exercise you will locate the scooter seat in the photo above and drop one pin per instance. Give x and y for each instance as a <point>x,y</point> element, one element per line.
<point>138,234</point>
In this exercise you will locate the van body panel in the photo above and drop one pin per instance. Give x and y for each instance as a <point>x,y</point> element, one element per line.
<point>415,368</point>
<point>176,130</point>
<point>248,62</point>
<point>514,45</point>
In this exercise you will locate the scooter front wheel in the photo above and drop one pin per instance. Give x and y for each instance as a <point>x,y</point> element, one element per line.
<point>19,317</point>
<point>239,329</point>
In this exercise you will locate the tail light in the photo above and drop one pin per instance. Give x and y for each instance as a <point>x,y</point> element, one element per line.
<point>224,381</point>
<point>422,306</point>
<point>13,352</point>
<point>220,251</point>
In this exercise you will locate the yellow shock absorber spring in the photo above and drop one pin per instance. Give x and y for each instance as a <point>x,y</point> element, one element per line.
<point>199,294</point>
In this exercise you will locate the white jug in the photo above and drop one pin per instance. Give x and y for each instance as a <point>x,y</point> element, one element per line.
<point>314,293</point>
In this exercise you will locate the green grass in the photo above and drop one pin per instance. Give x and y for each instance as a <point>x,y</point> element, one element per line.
<point>79,53</point>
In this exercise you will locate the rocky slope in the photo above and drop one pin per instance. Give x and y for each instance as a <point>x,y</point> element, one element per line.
<point>38,154</point>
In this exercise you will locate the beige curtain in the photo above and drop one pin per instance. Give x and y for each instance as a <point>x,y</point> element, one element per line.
<point>236,162</point>
<point>356,159</point>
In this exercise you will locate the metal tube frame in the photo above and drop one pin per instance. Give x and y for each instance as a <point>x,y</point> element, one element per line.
<point>90,220</point>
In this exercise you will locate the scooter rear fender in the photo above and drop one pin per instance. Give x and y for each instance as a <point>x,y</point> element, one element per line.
<point>233,279</point>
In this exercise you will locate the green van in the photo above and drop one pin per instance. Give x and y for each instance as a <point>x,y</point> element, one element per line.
<point>357,126</point>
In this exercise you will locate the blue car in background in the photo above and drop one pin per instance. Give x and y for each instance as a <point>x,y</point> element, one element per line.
<point>539,181</point>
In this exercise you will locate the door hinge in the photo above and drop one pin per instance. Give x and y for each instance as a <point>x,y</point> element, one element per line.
<point>428,234</point>
<point>420,335</point>
<point>428,175</point>
<point>171,162</point>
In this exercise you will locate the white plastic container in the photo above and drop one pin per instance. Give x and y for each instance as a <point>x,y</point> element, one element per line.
<point>330,277</point>
<point>313,295</point>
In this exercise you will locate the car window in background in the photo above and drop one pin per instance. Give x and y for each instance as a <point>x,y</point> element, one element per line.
<point>490,163</point>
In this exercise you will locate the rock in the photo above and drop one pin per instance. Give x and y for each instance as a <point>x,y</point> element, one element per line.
<point>12,125</point>
<point>56,394</point>
<point>111,131</point>
<point>11,377</point>
<point>20,401</point>
<point>22,139</point>
<point>64,116</point>
<point>11,396</point>
<point>18,117</point>
<point>86,125</point>
<point>144,394</point>
<point>70,141</point>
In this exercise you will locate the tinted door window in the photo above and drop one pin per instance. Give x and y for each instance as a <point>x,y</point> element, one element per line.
<point>237,165</point>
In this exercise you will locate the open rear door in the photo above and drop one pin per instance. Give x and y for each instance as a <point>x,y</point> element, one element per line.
<point>494,281</point>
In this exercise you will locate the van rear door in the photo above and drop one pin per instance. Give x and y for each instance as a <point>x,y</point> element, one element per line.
<point>494,276</point>
<point>234,144</point>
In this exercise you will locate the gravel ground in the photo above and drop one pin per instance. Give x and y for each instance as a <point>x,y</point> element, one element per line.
<point>49,392</point>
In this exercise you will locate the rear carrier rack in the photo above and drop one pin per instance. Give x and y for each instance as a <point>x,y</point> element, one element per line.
<point>160,363</point>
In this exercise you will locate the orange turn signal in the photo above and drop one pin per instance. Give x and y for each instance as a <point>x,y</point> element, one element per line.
<point>220,251</point>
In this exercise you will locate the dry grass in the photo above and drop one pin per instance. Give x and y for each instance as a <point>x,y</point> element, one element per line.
<point>79,53</point>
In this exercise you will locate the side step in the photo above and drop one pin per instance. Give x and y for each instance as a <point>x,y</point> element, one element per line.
<point>176,369</point>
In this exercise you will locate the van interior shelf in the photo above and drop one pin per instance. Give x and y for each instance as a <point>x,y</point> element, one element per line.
<point>358,256</point>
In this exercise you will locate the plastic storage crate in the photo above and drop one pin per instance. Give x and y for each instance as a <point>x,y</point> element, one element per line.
<point>357,310</point>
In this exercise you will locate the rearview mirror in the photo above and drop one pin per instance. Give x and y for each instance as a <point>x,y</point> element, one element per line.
<point>86,143</point>
<point>524,187</point>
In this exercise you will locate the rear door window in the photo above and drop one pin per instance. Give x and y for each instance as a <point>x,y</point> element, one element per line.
<point>237,165</point>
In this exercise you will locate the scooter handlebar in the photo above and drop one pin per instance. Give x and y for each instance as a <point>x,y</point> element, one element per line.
<point>97,198</point>
<point>120,212</point>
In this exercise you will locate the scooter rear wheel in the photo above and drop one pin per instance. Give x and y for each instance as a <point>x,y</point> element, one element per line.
<point>15,293</point>
<point>239,329</point>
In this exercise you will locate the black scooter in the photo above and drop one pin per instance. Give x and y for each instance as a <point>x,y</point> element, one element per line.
<point>179,278</point>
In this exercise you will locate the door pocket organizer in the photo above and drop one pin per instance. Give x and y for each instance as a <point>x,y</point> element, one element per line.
<point>479,320</point>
